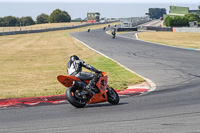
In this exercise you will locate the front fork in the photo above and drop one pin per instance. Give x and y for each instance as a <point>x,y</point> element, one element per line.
<point>108,88</point>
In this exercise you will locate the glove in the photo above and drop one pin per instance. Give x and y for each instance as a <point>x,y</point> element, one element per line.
<point>99,72</point>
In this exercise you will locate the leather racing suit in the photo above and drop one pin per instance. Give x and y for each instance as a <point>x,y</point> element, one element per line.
<point>74,68</point>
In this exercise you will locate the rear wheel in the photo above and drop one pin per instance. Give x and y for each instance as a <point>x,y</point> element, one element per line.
<point>73,98</point>
<point>112,95</point>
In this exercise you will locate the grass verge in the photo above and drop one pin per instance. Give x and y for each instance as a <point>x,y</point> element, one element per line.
<point>30,63</point>
<point>183,40</point>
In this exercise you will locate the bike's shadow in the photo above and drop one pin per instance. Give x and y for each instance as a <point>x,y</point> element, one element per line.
<point>103,105</point>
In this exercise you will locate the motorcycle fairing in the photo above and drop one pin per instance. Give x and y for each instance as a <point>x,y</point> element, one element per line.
<point>102,96</point>
<point>67,80</point>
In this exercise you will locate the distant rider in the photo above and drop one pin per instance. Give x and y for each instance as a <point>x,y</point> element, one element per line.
<point>88,30</point>
<point>74,68</point>
<point>113,33</point>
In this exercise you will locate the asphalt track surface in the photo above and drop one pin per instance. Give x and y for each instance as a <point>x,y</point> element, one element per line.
<point>173,107</point>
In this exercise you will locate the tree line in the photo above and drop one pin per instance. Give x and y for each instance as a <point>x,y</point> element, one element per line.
<point>181,21</point>
<point>55,17</point>
<point>156,13</point>
<point>173,21</point>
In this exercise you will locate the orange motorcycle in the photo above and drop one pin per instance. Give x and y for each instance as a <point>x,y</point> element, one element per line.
<point>78,95</point>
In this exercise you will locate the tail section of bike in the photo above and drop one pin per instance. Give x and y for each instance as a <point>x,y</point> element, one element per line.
<point>67,80</point>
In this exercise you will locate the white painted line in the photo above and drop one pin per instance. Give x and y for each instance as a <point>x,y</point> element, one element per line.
<point>136,36</point>
<point>166,44</point>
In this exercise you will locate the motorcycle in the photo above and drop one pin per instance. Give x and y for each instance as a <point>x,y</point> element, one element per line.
<point>78,95</point>
<point>88,30</point>
<point>113,34</point>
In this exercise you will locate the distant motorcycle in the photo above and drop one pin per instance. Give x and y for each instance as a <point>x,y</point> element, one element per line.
<point>113,34</point>
<point>88,30</point>
<point>78,95</point>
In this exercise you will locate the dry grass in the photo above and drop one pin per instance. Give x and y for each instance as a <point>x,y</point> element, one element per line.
<point>30,63</point>
<point>183,40</point>
<point>40,26</point>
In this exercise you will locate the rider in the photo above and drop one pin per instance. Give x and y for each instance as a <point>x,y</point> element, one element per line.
<point>74,68</point>
<point>113,33</point>
<point>88,30</point>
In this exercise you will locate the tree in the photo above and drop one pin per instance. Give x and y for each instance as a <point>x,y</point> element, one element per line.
<point>156,13</point>
<point>192,17</point>
<point>59,16</point>
<point>167,21</point>
<point>25,21</point>
<point>1,21</point>
<point>176,21</point>
<point>42,18</point>
<point>9,21</point>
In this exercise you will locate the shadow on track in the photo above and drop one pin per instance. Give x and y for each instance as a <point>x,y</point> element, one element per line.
<point>103,105</point>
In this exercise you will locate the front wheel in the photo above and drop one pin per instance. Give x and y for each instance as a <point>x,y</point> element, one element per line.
<point>112,95</point>
<point>74,99</point>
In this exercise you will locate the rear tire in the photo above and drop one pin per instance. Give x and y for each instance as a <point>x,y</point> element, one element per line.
<point>112,95</point>
<point>73,100</point>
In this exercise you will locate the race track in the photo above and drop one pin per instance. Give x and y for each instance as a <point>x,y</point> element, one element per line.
<point>173,107</point>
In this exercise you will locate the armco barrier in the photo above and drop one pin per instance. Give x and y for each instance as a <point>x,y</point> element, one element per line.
<point>126,29</point>
<point>51,29</point>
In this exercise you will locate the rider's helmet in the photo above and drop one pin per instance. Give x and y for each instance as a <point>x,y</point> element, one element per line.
<point>73,58</point>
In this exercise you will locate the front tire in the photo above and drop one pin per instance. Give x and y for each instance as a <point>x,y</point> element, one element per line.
<point>112,95</point>
<point>73,99</point>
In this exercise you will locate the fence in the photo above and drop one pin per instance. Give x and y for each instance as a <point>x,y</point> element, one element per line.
<point>23,30</point>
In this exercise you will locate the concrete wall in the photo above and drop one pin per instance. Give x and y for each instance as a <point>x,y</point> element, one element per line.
<point>155,28</point>
<point>194,30</point>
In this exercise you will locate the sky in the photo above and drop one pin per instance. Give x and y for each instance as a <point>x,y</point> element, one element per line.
<point>107,1</point>
<point>79,8</point>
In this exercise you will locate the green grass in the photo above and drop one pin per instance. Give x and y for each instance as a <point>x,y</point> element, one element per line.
<point>118,77</point>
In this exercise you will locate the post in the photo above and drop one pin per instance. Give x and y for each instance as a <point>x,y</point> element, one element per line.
<point>20,25</point>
